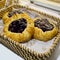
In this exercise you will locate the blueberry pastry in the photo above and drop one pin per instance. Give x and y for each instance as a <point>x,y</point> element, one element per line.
<point>20,29</point>
<point>2,3</point>
<point>44,29</point>
<point>13,14</point>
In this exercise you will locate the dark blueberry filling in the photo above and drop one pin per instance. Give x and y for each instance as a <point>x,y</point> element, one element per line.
<point>43,24</point>
<point>14,12</point>
<point>18,26</point>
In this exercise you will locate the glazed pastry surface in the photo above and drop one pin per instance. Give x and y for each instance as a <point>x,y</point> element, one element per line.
<point>19,29</point>
<point>44,29</point>
<point>9,15</point>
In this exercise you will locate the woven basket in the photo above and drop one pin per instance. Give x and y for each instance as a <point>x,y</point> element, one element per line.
<point>22,50</point>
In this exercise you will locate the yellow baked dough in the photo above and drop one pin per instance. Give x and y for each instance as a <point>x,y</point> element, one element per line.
<point>47,35</point>
<point>25,35</point>
<point>6,18</point>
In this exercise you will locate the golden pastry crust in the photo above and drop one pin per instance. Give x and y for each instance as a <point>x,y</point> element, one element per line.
<point>2,3</point>
<point>20,37</point>
<point>47,35</point>
<point>6,18</point>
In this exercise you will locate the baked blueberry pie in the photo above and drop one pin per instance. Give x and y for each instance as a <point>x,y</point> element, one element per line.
<point>44,29</point>
<point>19,29</point>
